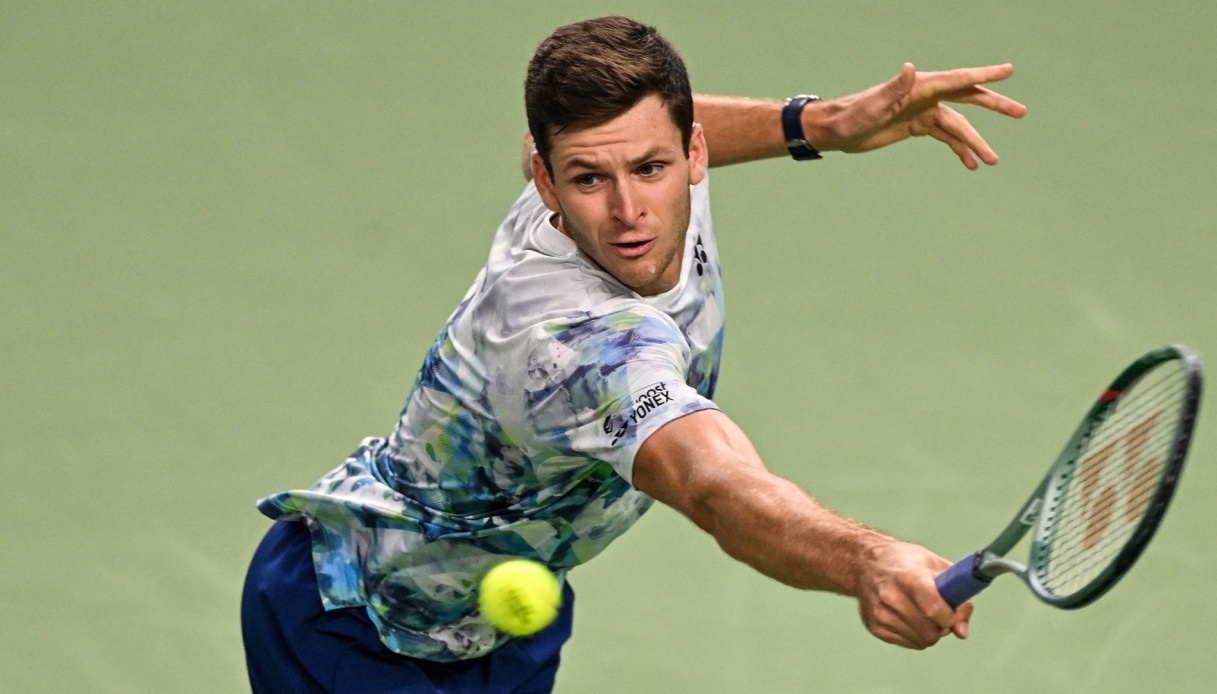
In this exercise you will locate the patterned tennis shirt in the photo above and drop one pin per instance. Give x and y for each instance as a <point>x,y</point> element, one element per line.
<point>519,436</point>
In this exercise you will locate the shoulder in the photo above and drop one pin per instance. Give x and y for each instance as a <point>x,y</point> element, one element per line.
<point>541,293</point>
<point>526,213</point>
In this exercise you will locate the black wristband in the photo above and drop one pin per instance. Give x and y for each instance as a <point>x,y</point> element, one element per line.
<point>792,128</point>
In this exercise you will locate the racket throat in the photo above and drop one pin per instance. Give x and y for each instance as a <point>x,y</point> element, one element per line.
<point>989,566</point>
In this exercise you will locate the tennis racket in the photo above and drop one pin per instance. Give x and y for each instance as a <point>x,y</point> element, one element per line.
<point>1103,499</point>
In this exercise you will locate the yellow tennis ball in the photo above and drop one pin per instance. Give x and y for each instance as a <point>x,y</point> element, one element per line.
<point>520,597</point>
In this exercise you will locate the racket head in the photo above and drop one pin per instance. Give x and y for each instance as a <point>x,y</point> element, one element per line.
<point>1107,493</point>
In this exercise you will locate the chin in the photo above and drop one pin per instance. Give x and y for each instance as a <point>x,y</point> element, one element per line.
<point>639,280</point>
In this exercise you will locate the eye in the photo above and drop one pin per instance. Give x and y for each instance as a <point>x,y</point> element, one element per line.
<point>586,180</point>
<point>650,168</point>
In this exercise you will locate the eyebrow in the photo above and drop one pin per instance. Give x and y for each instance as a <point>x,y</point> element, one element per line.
<point>657,152</point>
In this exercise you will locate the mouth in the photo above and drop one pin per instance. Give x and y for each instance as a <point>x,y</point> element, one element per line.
<point>633,249</point>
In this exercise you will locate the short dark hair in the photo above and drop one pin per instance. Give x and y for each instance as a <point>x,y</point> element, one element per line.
<point>590,72</point>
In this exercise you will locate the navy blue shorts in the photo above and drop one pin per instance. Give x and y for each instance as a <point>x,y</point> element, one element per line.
<point>293,645</point>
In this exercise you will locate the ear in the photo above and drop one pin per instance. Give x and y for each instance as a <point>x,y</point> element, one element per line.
<point>699,155</point>
<point>545,183</point>
<point>526,156</point>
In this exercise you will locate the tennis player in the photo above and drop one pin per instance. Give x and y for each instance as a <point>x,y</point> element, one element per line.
<point>572,387</point>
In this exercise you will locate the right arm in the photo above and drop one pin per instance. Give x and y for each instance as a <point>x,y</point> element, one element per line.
<point>704,466</point>
<point>910,104</point>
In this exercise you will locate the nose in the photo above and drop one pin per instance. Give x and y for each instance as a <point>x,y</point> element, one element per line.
<point>626,205</point>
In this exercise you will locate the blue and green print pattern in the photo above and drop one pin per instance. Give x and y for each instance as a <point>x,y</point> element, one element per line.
<point>518,438</point>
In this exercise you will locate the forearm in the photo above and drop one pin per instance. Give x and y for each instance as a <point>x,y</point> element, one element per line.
<point>740,129</point>
<point>704,466</point>
<point>774,526</point>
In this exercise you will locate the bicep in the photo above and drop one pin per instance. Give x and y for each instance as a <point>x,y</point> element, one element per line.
<point>690,462</point>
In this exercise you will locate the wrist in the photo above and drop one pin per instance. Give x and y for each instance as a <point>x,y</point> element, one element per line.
<point>817,119</point>
<point>794,130</point>
<point>872,559</point>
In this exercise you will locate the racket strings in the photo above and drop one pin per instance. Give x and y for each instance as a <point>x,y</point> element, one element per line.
<point>1116,474</point>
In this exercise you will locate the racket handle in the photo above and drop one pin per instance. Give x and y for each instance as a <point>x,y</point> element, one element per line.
<point>960,582</point>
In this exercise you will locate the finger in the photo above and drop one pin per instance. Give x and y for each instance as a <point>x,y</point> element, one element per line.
<point>924,594</point>
<point>955,620</point>
<point>954,122</point>
<point>987,98</point>
<point>915,609</point>
<point>892,617</point>
<point>963,619</point>
<point>957,146</point>
<point>893,628</point>
<point>898,639</point>
<point>954,80</point>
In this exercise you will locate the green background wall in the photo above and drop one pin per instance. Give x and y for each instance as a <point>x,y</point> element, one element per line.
<point>229,231</point>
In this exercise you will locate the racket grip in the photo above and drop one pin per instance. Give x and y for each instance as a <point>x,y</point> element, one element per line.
<point>960,582</point>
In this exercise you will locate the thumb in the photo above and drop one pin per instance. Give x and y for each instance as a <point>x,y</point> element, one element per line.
<point>872,110</point>
<point>894,95</point>
<point>964,617</point>
<point>901,85</point>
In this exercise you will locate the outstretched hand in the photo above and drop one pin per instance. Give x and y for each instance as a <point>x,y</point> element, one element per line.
<point>913,104</point>
<point>899,602</point>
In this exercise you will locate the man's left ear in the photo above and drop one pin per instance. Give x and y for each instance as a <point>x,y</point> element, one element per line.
<point>545,182</point>
<point>699,155</point>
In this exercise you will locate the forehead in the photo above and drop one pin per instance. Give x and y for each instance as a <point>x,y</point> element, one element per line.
<point>646,127</point>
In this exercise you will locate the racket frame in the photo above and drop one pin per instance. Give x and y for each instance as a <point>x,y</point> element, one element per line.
<point>974,573</point>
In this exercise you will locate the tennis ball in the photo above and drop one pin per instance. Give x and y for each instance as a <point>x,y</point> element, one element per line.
<point>520,597</point>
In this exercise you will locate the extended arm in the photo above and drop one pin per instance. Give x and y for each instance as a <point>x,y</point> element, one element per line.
<point>908,105</point>
<point>911,104</point>
<point>704,466</point>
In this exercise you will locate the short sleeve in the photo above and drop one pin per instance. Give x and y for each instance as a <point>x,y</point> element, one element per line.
<point>597,389</point>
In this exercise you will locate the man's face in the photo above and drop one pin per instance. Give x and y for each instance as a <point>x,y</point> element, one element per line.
<point>621,191</point>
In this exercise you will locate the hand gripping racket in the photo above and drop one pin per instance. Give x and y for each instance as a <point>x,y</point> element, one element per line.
<point>1102,500</point>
